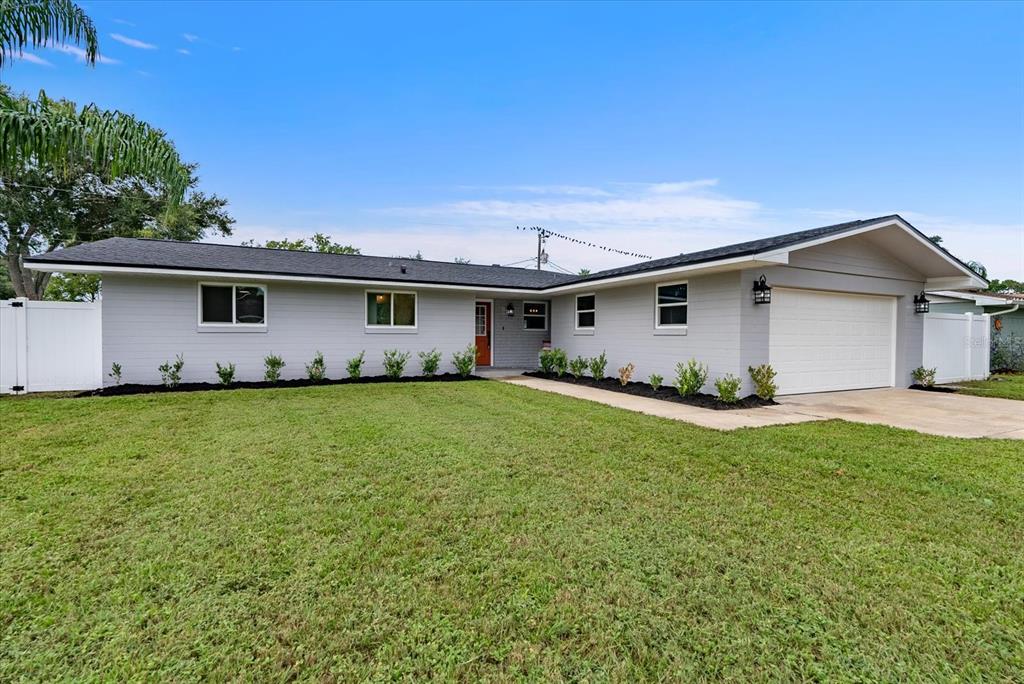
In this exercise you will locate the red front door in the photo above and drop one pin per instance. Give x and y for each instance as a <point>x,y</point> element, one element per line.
<point>482,322</point>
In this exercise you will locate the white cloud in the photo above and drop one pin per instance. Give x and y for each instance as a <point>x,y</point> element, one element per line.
<point>79,54</point>
<point>190,37</point>
<point>183,51</point>
<point>682,186</point>
<point>34,59</point>
<point>236,49</point>
<point>144,74</point>
<point>123,22</point>
<point>133,42</point>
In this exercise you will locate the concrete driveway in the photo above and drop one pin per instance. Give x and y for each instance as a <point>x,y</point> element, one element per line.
<point>952,415</point>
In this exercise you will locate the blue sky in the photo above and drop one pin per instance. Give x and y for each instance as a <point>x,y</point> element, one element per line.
<point>656,128</point>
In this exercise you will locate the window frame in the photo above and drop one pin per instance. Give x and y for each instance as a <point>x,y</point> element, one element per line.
<point>234,324</point>
<point>658,306</point>
<point>391,326</point>
<point>577,311</point>
<point>546,314</point>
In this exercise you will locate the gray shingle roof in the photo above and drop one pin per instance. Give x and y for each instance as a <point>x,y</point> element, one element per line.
<point>171,255</point>
<point>199,256</point>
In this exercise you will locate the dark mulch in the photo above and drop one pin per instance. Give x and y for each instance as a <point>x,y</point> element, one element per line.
<point>934,388</point>
<point>665,393</point>
<point>120,390</point>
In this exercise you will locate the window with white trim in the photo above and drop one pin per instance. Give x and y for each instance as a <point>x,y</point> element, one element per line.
<point>390,309</point>
<point>586,310</point>
<point>535,315</point>
<point>231,304</point>
<point>670,305</point>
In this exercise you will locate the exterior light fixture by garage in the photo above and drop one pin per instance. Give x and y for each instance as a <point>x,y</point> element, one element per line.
<point>762,291</point>
<point>921,303</point>
<point>510,310</point>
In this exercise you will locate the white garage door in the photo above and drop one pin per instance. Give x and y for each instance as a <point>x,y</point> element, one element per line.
<point>823,341</point>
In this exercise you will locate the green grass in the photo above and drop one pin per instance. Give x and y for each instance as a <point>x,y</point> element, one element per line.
<point>1001,386</point>
<point>484,531</point>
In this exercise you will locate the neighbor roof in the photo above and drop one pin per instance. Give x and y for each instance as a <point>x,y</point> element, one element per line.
<point>196,256</point>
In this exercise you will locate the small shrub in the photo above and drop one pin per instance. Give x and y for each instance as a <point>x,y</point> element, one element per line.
<point>626,374</point>
<point>547,360</point>
<point>465,361</point>
<point>598,365</point>
<point>728,388</point>
<point>394,363</point>
<point>690,377</point>
<point>578,366</point>
<point>115,372</point>
<point>355,365</point>
<point>1007,353</point>
<point>655,381</point>
<point>923,376</point>
<point>429,362</point>
<point>561,360</point>
<point>226,373</point>
<point>273,365</point>
<point>170,373</point>
<point>763,377</point>
<point>316,370</point>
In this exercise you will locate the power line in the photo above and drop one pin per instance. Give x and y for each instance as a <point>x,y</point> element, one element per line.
<point>544,233</point>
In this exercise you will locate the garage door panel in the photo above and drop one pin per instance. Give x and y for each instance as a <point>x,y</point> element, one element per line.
<point>822,341</point>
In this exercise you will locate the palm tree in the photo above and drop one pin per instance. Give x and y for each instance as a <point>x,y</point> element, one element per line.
<point>49,134</point>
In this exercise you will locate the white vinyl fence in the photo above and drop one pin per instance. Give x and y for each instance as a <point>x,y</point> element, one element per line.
<point>957,346</point>
<point>50,346</point>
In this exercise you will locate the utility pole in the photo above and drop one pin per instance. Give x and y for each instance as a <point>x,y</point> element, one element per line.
<point>541,236</point>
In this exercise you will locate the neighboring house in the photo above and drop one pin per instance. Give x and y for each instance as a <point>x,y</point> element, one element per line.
<point>841,314</point>
<point>1006,310</point>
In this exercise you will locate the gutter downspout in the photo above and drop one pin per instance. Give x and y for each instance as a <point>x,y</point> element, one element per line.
<point>1005,311</point>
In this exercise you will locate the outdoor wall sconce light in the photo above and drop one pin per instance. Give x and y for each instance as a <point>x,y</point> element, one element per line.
<point>762,291</point>
<point>510,310</point>
<point>921,303</point>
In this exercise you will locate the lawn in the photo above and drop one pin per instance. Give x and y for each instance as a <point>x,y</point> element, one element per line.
<point>484,531</point>
<point>1010,386</point>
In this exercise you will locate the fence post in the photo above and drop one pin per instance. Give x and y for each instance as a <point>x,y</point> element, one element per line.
<point>20,309</point>
<point>969,346</point>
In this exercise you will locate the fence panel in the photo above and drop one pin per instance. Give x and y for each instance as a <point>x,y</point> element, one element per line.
<point>957,346</point>
<point>50,346</point>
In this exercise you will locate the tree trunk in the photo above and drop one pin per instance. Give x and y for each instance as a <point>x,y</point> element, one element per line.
<point>27,283</point>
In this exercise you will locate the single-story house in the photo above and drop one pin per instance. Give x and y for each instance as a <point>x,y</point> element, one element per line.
<point>840,312</point>
<point>1006,311</point>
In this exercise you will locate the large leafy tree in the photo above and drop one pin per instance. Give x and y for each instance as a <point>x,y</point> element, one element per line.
<point>36,23</point>
<point>42,210</point>
<point>318,243</point>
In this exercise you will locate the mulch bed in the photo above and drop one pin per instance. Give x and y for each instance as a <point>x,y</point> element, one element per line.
<point>120,390</point>
<point>664,393</point>
<point>934,388</point>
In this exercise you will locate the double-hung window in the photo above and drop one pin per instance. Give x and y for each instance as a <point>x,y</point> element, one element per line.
<point>390,309</point>
<point>222,304</point>
<point>670,304</point>
<point>535,315</point>
<point>586,311</point>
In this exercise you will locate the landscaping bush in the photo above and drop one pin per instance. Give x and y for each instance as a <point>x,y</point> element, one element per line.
<point>226,373</point>
<point>316,370</point>
<point>273,365</point>
<point>763,377</point>
<point>547,360</point>
<point>429,361</point>
<point>655,381</point>
<point>355,365</point>
<point>728,388</point>
<point>598,365</point>
<point>690,377</point>
<point>465,361</point>
<point>561,361</point>
<point>923,376</point>
<point>1007,353</point>
<point>394,363</point>
<point>170,373</point>
<point>578,366</point>
<point>115,372</point>
<point>626,374</point>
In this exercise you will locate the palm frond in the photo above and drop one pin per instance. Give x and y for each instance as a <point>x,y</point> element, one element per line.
<point>53,134</point>
<point>36,23</point>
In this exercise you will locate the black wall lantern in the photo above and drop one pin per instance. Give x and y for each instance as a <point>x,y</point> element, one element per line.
<point>510,310</point>
<point>921,303</point>
<point>762,292</point>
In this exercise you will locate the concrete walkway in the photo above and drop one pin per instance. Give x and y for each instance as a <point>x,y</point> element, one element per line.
<point>950,415</point>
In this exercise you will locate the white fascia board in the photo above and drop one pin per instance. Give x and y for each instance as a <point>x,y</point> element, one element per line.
<point>954,283</point>
<point>733,264</point>
<point>975,280</point>
<point>977,298</point>
<point>224,275</point>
